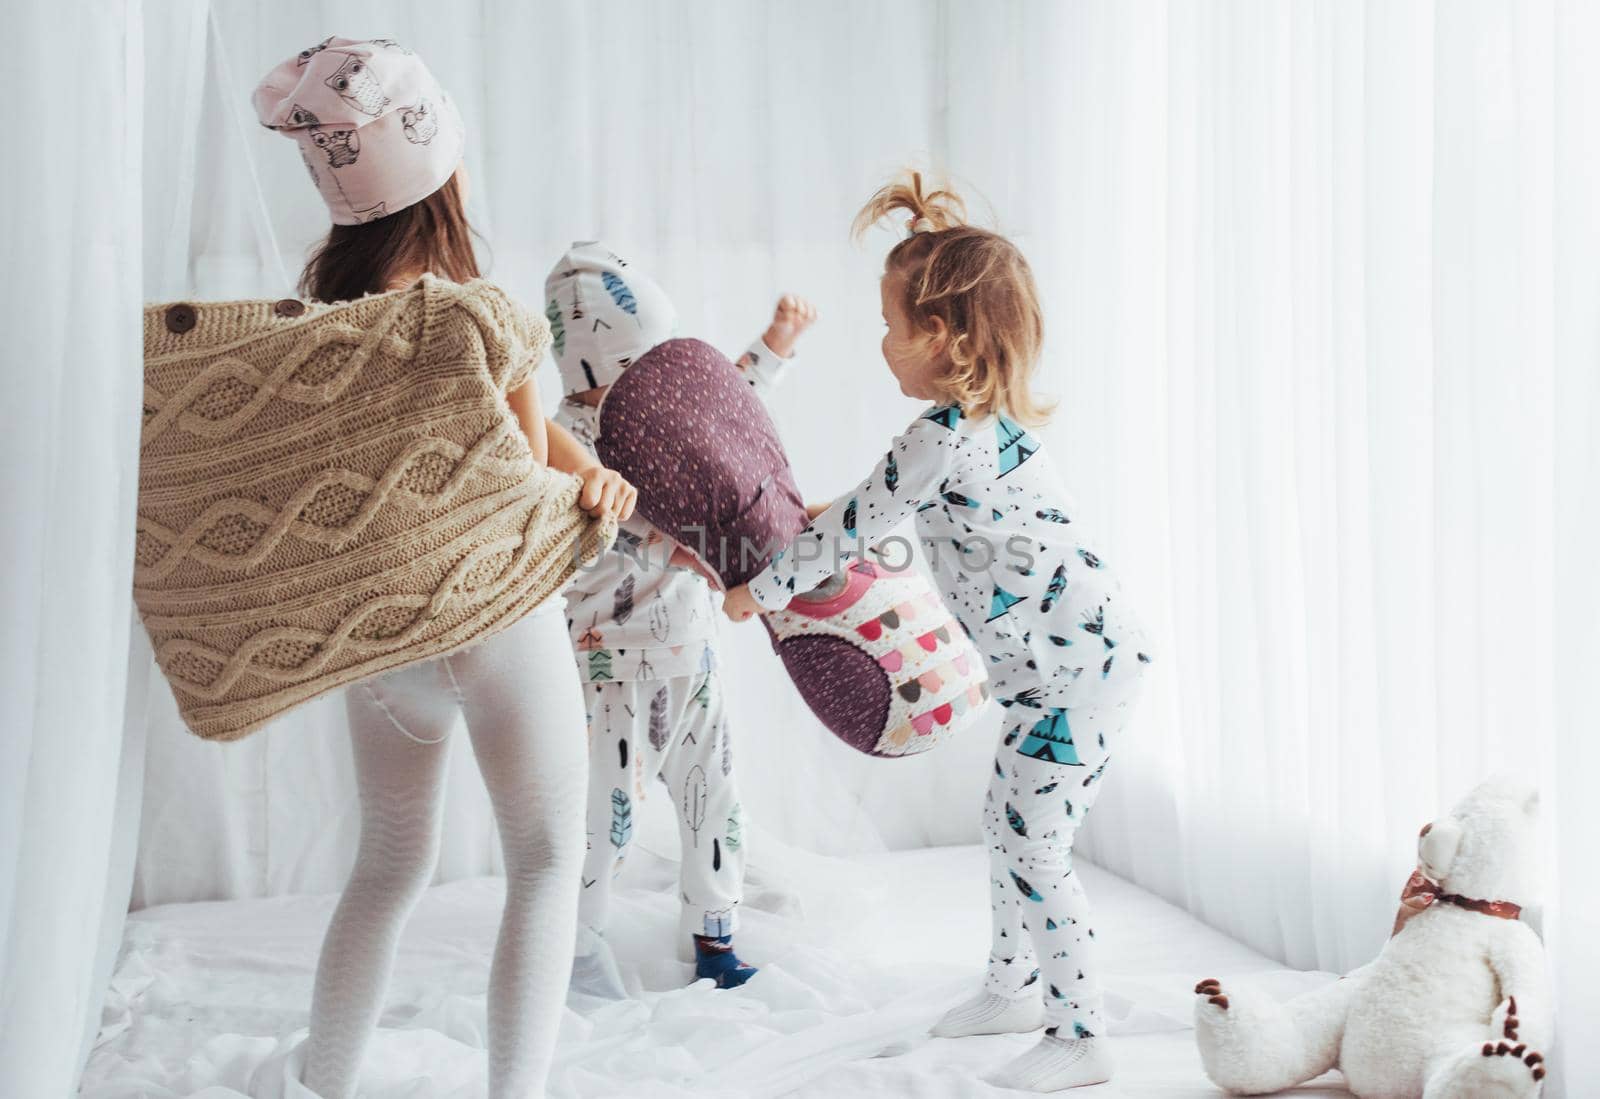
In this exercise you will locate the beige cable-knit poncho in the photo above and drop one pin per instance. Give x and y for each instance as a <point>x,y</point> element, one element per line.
<point>328,492</point>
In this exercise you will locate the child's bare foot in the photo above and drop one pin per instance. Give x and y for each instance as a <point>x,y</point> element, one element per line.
<point>790,319</point>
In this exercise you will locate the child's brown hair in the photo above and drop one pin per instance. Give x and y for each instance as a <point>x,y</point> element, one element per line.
<point>432,235</point>
<point>978,284</point>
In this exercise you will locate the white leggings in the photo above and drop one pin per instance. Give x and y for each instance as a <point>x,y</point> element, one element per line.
<point>520,694</point>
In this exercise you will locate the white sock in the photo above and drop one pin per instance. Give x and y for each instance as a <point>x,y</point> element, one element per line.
<point>987,1013</point>
<point>1056,1064</point>
<point>594,968</point>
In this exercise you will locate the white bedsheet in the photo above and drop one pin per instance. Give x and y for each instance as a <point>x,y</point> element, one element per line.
<point>859,957</point>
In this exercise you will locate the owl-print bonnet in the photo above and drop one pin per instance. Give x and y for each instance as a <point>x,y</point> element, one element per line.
<point>603,314</point>
<point>375,129</point>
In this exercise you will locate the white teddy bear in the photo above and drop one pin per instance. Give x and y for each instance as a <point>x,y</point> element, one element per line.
<point>1457,1004</point>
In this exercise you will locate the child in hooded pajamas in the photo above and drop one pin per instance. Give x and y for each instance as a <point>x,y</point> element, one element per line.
<point>646,633</point>
<point>1019,571</point>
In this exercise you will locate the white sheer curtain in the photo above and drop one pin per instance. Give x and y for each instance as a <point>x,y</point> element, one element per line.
<point>1575,765</point>
<point>1323,279</point>
<point>1320,282</point>
<point>69,227</point>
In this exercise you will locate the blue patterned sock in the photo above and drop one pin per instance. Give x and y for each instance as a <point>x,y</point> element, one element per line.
<point>714,958</point>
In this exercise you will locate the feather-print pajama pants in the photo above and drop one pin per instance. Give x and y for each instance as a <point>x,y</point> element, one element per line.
<point>1046,776</point>
<point>674,730</point>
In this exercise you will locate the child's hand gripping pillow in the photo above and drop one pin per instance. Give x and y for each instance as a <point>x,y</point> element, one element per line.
<point>874,653</point>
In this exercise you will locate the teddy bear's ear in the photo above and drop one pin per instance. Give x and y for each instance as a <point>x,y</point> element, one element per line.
<point>1437,846</point>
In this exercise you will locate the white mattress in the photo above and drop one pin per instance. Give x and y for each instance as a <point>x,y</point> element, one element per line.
<point>859,956</point>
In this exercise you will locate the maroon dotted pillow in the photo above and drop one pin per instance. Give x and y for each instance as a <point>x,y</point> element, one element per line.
<point>684,427</point>
<point>874,654</point>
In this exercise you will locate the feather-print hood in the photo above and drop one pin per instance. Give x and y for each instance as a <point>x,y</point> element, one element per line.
<point>603,315</point>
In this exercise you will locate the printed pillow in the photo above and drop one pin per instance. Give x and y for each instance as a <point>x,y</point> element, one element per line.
<point>874,653</point>
<point>880,661</point>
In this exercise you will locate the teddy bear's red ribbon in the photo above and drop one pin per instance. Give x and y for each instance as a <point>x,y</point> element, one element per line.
<point>1421,891</point>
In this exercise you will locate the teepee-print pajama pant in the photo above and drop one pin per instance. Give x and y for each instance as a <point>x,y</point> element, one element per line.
<point>671,729</point>
<point>1046,776</point>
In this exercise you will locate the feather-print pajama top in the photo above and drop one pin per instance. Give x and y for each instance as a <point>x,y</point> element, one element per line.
<point>1006,548</point>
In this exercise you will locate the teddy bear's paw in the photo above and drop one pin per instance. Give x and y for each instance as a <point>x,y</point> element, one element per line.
<point>1498,1070</point>
<point>1247,1042</point>
<point>1515,1059</point>
<point>1223,1045</point>
<point>1210,990</point>
<point>1505,1019</point>
<point>1510,1070</point>
<point>1217,1018</point>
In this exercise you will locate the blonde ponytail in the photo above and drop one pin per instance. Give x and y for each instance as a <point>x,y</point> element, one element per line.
<point>977,284</point>
<point>930,213</point>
